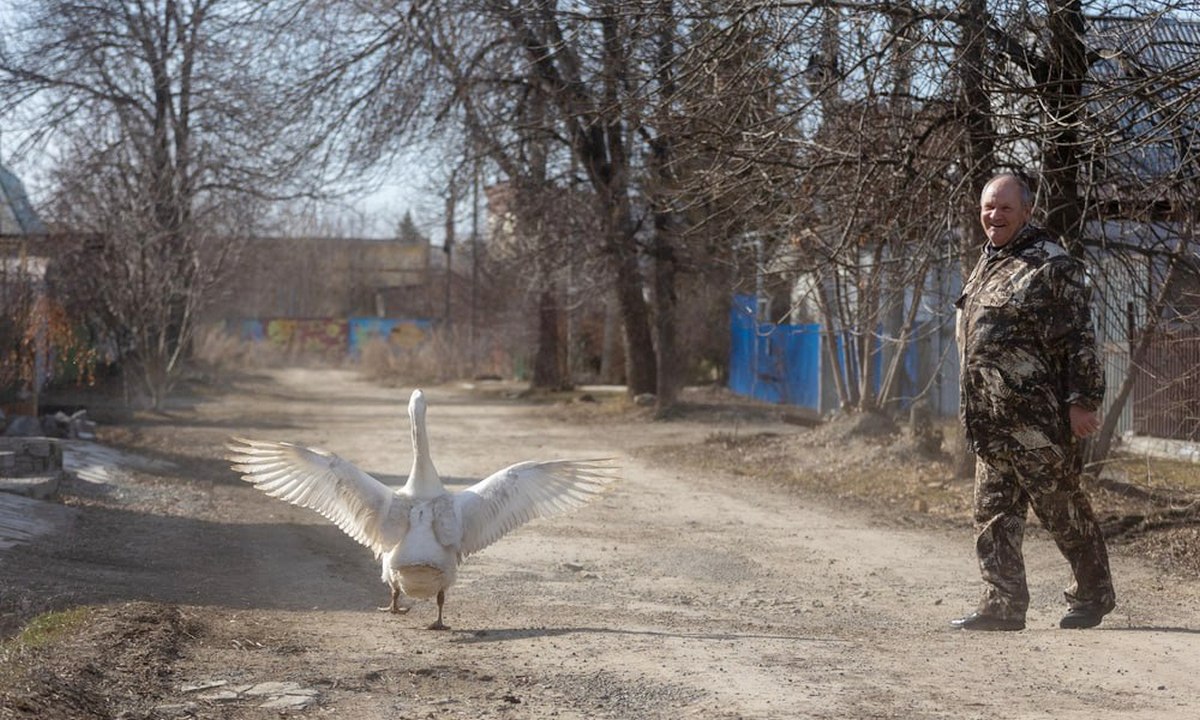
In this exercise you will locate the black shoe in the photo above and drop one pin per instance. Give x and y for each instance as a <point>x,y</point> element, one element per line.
<point>1078,618</point>
<point>979,621</point>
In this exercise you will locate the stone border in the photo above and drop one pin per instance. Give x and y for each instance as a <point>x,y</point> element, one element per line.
<point>30,466</point>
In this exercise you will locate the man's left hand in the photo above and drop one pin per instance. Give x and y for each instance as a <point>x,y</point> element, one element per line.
<point>1084,422</point>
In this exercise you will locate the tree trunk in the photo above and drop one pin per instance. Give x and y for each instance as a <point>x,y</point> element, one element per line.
<point>980,151</point>
<point>665,262</point>
<point>869,302</point>
<point>547,371</point>
<point>1068,66</point>
<point>903,332</point>
<point>608,343</point>
<point>665,301</point>
<point>830,329</point>
<point>640,362</point>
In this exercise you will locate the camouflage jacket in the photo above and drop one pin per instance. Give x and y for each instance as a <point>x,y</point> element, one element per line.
<point>1027,346</point>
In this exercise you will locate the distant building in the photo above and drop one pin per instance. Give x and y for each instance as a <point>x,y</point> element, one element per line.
<point>332,277</point>
<point>23,265</point>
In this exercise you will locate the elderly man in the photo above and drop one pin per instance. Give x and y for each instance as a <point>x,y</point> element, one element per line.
<point>1032,386</point>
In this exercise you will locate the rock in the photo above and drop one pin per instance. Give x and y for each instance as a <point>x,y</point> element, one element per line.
<point>51,428</point>
<point>79,427</point>
<point>23,426</point>
<point>645,399</point>
<point>274,695</point>
<point>75,426</point>
<point>58,425</point>
<point>203,685</point>
<point>289,702</point>
<point>274,688</point>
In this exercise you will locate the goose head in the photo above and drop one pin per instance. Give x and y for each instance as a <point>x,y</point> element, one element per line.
<point>423,479</point>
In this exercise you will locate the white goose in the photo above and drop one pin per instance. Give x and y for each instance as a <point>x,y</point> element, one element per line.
<point>421,532</point>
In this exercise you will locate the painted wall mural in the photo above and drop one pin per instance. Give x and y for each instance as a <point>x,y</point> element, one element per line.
<point>326,336</point>
<point>400,334</point>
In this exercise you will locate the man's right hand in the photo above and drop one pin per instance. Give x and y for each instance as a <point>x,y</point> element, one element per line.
<point>1084,422</point>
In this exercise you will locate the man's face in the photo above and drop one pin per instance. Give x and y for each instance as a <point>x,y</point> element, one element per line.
<point>1001,211</point>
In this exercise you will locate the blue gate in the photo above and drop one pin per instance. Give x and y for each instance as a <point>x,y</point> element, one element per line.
<point>774,363</point>
<point>783,363</point>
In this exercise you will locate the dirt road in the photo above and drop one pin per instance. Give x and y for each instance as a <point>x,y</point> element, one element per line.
<point>677,595</point>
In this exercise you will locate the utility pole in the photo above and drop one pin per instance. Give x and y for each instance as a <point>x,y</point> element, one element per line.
<point>474,261</point>
<point>448,245</point>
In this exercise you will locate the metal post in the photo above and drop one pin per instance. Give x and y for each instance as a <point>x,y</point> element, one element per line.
<point>448,246</point>
<point>474,262</point>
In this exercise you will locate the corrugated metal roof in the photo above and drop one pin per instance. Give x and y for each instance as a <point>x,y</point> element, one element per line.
<point>1154,43</point>
<point>17,216</point>
<point>1145,93</point>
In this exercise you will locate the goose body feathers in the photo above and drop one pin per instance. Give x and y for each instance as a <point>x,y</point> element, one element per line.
<point>421,531</point>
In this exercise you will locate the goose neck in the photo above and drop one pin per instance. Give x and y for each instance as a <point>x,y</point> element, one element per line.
<point>423,480</point>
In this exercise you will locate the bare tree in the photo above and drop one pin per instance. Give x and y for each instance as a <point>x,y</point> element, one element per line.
<point>1100,104</point>
<point>656,113</point>
<point>168,123</point>
<point>1095,103</point>
<point>851,139</point>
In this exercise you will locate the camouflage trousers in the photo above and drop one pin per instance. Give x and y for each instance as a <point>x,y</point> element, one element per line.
<point>1006,486</point>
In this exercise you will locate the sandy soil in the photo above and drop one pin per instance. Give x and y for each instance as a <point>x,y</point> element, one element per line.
<point>685,592</point>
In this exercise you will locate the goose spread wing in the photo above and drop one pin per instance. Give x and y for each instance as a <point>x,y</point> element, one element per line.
<point>519,493</point>
<point>364,508</point>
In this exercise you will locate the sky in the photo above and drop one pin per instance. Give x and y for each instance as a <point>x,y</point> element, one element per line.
<point>372,212</point>
<point>382,209</point>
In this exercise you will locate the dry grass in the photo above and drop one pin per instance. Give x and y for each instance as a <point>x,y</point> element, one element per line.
<point>84,663</point>
<point>1148,506</point>
<point>446,355</point>
<point>861,461</point>
<point>1156,474</point>
<point>217,350</point>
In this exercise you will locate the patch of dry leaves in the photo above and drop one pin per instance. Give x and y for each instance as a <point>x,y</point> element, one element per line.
<point>116,657</point>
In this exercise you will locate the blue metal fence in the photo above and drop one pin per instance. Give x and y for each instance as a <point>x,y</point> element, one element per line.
<point>784,363</point>
<point>774,363</point>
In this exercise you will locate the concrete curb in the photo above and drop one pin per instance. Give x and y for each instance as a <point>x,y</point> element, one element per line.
<point>39,487</point>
